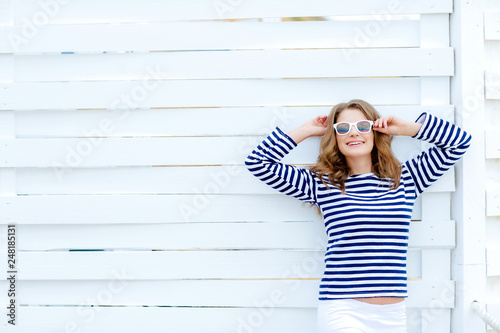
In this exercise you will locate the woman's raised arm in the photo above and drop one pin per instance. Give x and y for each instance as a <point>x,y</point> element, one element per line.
<point>450,143</point>
<point>264,161</point>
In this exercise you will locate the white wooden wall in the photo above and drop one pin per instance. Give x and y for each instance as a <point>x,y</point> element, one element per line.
<point>475,36</point>
<point>123,130</point>
<point>492,142</point>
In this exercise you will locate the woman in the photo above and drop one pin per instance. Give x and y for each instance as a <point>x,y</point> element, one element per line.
<point>366,198</point>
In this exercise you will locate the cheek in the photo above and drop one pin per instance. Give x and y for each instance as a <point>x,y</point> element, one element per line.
<point>371,143</point>
<point>341,145</point>
<point>338,141</point>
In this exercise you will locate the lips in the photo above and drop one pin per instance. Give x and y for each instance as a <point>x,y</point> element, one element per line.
<point>355,143</point>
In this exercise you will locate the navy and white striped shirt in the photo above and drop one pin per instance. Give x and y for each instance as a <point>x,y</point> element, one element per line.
<point>368,226</point>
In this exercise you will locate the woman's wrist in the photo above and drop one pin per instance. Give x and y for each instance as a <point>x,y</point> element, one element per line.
<point>412,129</point>
<point>407,128</point>
<point>299,134</point>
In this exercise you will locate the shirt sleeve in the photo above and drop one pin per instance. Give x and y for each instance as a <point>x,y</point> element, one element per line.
<point>450,143</point>
<point>264,163</point>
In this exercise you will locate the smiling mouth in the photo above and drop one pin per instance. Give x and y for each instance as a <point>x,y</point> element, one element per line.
<point>357,143</point>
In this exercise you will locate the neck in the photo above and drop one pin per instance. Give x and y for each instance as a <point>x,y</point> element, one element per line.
<point>360,165</point>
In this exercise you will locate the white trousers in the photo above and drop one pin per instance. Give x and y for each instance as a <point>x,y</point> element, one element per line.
<point>352,316</point>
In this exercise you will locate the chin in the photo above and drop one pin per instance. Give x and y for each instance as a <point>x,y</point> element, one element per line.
<point>359,154</point>
<point>356,153</point>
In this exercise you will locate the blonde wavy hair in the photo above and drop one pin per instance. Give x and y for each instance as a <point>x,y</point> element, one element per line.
<point>332,162</point>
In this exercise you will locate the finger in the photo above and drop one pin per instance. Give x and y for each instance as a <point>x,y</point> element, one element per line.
<point>380,122</point>
<point>381,130</point>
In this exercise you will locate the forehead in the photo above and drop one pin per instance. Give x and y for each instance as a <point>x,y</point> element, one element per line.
<point>351,115</point>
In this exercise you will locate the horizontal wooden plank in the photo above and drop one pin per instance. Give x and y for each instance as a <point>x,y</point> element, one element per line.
<point>138,208</point>
<point>94,11</point>
<point>174,236</point>
<point>162,319</point>
<point>493,202</point>
<point>492,25</point>
<point>152,265</point>
<point>492,143</point>
<point>210,35</point>
<point>173,265</point>
<point>154,122</point>
<point>268,64</point>
<point>493,261</point>
<point>194,236</point>
<point>228,293</point>
<point>155,90</point>
<point>432,234</point>
<point>64,153</point>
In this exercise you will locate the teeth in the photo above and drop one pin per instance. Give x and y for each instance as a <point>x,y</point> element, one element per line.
<point>355,143</point>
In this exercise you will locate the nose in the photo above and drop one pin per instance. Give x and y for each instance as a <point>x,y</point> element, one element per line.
<point>354,130</point>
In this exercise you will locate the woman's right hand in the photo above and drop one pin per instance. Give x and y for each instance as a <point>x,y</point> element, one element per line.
<point>317,126</point>
<point>314,127</point>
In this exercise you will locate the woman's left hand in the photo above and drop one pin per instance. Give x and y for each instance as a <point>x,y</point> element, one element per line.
<point>393,125</point>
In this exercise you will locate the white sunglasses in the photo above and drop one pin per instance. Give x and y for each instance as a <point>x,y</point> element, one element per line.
<point>363,126</point>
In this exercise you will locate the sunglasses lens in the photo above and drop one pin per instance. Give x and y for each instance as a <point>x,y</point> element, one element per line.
<point>364,126</point>
<point>342,128</point>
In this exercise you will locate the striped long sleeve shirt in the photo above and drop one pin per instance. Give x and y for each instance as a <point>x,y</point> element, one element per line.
<point>368,226</point>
